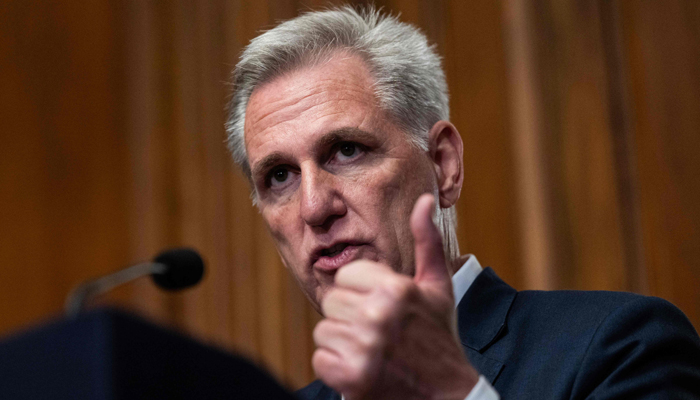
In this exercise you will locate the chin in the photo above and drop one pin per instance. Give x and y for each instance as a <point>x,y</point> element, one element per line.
<point>316,297</point>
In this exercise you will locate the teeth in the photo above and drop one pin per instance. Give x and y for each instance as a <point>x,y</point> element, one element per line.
<point>333,251</point>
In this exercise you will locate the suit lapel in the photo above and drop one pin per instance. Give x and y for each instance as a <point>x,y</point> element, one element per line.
<point>481,319</point>
<point>488,367</point>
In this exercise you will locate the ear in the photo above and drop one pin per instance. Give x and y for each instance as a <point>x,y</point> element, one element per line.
<point>446,153</point>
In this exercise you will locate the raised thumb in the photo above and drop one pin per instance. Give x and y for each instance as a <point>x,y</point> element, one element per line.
<point>428,251</point>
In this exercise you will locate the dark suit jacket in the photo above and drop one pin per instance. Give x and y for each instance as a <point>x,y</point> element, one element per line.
<point>572,344</point>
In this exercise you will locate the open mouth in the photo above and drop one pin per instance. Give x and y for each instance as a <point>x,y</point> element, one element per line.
<point>334,251</point>
<point>334,257</point>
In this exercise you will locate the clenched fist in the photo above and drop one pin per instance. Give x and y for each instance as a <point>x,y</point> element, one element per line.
<point>390,336</point>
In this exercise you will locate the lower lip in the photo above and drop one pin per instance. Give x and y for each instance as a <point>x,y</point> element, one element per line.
<point>330,264</point>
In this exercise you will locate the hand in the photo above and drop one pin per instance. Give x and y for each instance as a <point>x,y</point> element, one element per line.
<point>388,335</point>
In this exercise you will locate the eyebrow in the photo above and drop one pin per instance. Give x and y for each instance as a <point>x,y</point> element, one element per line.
<point>267,162</point>
<point>341,135</point>
<point>328,139</point>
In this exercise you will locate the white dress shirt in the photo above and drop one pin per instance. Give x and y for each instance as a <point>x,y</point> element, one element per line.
<point>461,281</point>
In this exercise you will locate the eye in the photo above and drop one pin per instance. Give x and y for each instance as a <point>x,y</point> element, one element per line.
<point>278,176</point>
<point>347,150</point>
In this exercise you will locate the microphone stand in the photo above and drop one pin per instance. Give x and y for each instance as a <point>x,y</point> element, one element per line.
<point>86,291</point>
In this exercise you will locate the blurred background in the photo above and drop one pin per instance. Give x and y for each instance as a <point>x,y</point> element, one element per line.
<point>581,122</point>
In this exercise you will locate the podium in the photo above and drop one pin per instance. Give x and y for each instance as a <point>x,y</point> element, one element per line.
<point>111,355</point>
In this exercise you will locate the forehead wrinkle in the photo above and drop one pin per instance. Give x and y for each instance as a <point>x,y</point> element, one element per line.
<point>270,108</point>
<point>344,91</point>
<point>294,96</point>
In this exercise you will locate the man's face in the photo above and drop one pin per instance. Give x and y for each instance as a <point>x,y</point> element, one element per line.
<point>336,179</point>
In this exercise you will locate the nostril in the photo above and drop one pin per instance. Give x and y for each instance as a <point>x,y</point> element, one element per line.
<point>321,201</point>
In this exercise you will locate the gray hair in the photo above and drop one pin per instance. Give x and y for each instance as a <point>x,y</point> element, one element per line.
<point>409,81</point>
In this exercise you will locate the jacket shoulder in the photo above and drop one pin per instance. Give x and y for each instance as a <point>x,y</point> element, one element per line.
<point>581,317</point>
<point>603,344</point>
<point>597,301</point>
<point>583,311</point>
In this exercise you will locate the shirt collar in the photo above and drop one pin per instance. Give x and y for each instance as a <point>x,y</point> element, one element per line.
<point>464,277</point>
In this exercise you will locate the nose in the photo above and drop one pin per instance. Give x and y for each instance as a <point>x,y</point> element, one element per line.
<point>321,198</point>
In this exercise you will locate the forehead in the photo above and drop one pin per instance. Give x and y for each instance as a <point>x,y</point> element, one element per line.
<point>311,100</point>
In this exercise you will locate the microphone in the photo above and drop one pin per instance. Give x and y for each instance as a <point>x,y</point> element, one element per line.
<point>183,268</point>
<point>172,269</point>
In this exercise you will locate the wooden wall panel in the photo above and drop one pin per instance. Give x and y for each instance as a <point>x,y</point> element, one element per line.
<point>578,148</point>
<point>604,98</point>
<point>64,162</point>
<point>662,49</point>
<point>475,64</point>
<point>573,141</point>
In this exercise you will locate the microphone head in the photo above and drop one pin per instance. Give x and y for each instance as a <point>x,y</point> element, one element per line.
<point>184,268</point>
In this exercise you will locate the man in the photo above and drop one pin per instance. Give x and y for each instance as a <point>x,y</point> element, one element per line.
<point>340,121</point>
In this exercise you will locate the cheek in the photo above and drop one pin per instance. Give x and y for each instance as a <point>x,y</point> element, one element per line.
<point>288,238</point>
<point>282,227</point>
<point>375,194</point>
<point>385,199</point>
<point>391,189</point>
<point>400,187</point>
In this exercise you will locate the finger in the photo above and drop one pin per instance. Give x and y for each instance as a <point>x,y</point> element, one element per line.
<point>334,336</point>
<point>347,341</point>
<point>329,367</point>
<point>336,372</point>
<point>342,304</point>
<point>429,254</point>
<point>362,275</point>
<point>326,361</point>
<point>341,359</point>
